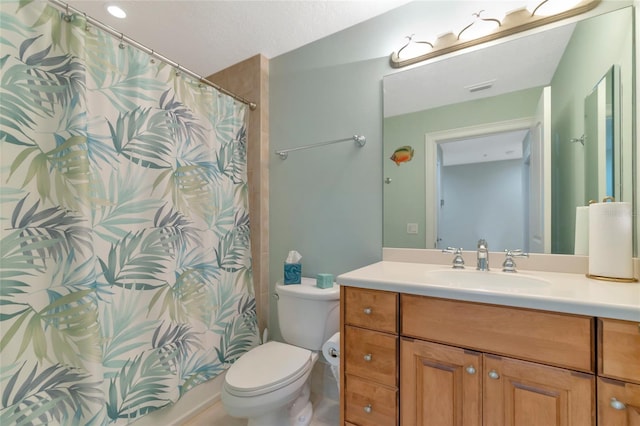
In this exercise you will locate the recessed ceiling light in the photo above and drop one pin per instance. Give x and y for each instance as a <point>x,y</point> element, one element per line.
<point>116,11</point>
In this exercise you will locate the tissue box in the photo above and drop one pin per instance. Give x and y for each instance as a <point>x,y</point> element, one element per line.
<point>292,273</point>
<point>324,281</point>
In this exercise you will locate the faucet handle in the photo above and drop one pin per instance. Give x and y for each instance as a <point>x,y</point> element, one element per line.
<point>458,260</point>
<point>509,265</point>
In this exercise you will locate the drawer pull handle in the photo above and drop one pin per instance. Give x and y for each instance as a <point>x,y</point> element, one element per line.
<point>368,357</point>
<point>368,408</point>
<point>367,311</point>
<point>617,405</point>
<point>493,374</point>
<point>470,369</point>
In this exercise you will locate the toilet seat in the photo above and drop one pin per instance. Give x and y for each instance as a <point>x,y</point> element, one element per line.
<point>266,368</point>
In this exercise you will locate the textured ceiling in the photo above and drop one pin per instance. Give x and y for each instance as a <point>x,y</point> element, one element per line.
<point>209,35</point>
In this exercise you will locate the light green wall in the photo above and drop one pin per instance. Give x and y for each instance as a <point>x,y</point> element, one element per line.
<point>611,36</point>
<point>404,197</point>
<point>325,202</point>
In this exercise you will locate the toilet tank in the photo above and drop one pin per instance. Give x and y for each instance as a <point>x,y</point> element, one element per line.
<point>307,315</point>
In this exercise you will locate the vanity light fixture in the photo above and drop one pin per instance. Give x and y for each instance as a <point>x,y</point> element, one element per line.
<point>116,11</point>
<point>525,18</point>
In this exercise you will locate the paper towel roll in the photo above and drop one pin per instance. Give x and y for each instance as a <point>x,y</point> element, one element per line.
<point>331,350</point>
<point>610,240</point>
<point>581,246</point>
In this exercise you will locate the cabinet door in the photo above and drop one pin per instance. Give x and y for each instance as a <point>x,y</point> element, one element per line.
<point>618,403</point>
<point>439,385</point>
<point>520,393</point>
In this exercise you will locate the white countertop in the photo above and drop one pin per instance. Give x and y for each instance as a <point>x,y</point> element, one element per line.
<point>562,292</point>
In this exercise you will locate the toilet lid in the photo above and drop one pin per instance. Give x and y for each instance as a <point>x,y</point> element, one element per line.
<point>267,367</point>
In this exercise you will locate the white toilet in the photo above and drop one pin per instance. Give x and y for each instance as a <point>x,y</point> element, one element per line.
<point>269,384</point>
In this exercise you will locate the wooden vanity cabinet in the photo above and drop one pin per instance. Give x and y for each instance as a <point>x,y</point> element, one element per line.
<point>422,361</point>
<point>416,361</point>
<point>618,373</point>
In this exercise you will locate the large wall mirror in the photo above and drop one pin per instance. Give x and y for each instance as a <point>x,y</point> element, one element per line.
<point>506,141</point>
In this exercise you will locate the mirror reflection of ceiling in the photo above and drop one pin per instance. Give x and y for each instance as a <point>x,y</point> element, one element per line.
<point>494,147</point>
<point>423,87</point>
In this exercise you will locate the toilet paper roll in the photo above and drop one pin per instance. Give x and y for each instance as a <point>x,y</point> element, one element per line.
<point>581,246</point>
<point>331,350</point>
<point>610,240</point>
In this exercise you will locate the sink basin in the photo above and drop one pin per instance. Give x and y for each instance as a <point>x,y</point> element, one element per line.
<point>484,279</point>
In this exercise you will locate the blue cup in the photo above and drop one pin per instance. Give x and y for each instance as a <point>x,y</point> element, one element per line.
<point>292,273</point>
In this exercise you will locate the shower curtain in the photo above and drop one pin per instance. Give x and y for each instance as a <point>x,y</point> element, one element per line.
<point>124,230</point>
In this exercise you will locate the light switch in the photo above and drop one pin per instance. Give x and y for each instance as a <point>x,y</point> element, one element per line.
<point>412,228</point>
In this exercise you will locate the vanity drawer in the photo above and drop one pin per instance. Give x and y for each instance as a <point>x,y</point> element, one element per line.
<point>551,338</point>
<point>370,404</point>
<point>620,349</point>
<point>373,309</point>
<point>372,355</point>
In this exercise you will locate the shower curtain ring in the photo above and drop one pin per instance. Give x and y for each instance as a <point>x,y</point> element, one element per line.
<point>121,45</point>
<point>178,71</point>
<point>67,16</point>
<point>153,52</point>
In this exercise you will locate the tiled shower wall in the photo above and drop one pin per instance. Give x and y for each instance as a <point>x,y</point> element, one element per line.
<point>250,79</point>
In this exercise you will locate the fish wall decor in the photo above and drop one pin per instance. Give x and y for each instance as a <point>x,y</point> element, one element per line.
<point>402,154</point>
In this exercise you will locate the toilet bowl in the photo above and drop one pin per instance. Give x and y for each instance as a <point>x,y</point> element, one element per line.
<point>269,385</point>
<point>267,381</point>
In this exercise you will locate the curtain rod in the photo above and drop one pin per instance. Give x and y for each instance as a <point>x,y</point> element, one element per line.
<point>67,8</point>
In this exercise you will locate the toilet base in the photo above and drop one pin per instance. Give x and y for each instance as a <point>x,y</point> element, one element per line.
<point>275,418</point>
<point>298,413</point>
<point>301,411</point>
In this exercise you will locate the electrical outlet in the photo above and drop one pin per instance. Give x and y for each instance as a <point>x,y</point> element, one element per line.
<point>412,228</point>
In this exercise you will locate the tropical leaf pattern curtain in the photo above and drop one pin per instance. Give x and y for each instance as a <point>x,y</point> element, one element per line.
<point>124,229</point>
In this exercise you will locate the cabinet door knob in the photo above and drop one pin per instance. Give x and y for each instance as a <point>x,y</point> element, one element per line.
<point>368,408</point>
<point>617,405</point>
<point>493,374</point>
<point>470,369</point>
<point>367,311</point>
<point>368,357</point>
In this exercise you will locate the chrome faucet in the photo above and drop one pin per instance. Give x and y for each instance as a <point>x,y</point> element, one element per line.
<point>483,255</point>
<point>458,260</point>
<point>509,265</point>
